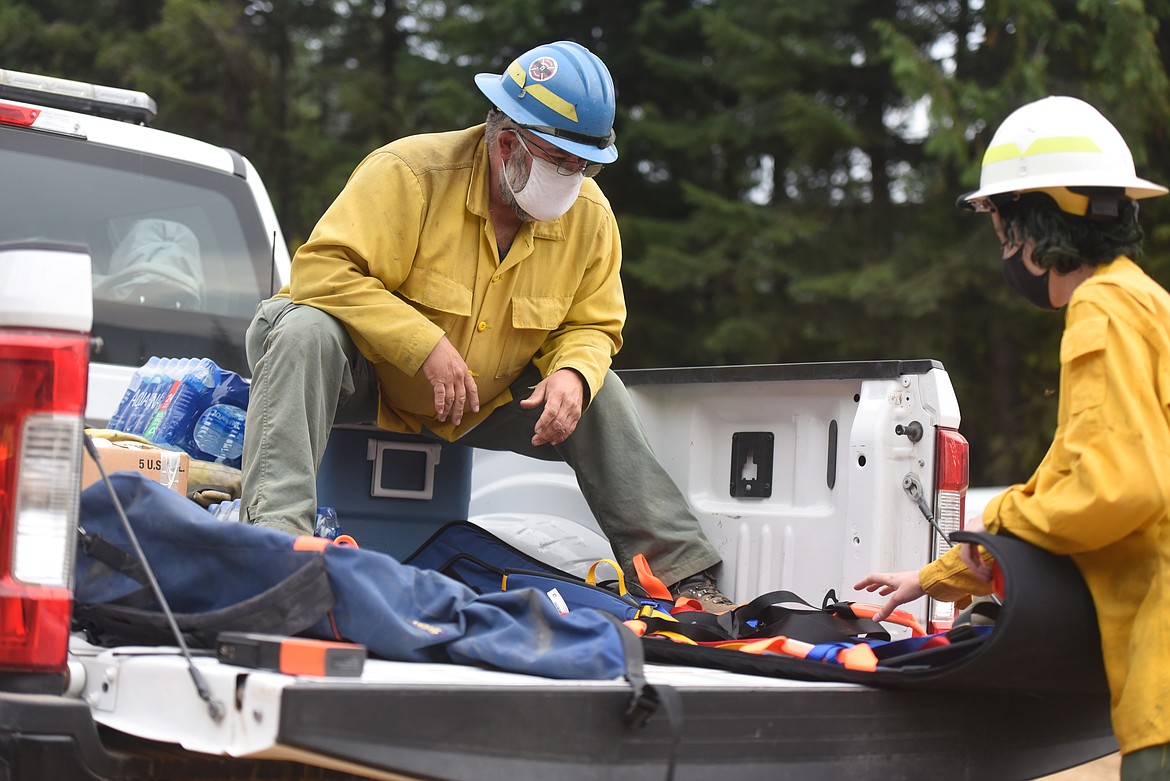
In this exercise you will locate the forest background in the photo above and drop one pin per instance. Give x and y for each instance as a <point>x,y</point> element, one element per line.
<point>788,172</point>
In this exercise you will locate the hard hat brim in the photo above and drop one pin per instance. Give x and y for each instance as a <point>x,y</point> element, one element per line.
<point>1135,187</point>
<point>492,85</point>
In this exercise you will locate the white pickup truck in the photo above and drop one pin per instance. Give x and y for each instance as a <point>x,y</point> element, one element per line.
<point>805,477</point>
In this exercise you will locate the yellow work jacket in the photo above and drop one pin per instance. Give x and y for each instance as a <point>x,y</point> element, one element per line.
<point>408,253</point>
<point>1102,492</point>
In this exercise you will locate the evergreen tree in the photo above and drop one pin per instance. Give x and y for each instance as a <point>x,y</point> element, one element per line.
<point>788,171</point>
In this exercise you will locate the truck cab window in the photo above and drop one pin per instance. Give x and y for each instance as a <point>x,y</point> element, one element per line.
<point>180,255</point>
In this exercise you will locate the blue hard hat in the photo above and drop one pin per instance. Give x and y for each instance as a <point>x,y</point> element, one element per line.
<point>561,92</point>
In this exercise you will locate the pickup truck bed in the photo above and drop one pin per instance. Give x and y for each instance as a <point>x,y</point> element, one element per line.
<point>1030,701</point>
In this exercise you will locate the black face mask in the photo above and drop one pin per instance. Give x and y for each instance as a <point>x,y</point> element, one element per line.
<point>1032,287</point>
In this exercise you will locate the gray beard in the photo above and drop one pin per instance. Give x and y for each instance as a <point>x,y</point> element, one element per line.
<point>517,178</point>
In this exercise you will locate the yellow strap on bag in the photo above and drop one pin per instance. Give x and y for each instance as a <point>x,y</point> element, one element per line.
<point>646,611</point>
<point>591,576</point>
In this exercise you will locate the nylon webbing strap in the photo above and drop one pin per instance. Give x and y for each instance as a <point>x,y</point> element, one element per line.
<point>112,556</point>
<point>646,699</point>
<point>773,614</point>
<point>287,608</point>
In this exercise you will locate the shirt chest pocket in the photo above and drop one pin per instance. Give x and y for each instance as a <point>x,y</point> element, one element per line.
<point>1082,350</point>
<point>533,317</point>
<point>440,298</point>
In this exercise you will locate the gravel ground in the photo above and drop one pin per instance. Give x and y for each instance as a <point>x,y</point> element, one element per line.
<point>1104,769</point>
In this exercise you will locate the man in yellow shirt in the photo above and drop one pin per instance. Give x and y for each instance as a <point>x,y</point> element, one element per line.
<point>466,285</point>
<point>1059,183</point>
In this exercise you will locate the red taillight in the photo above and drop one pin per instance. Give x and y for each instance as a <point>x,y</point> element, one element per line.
<point>953,463</point>
<point>42,404</point>
<point>24,116</point>
<point>951,479</point>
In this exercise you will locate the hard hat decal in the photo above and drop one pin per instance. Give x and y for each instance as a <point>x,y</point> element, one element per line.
<point>541,92</point>
<point>542,69</point>
<point>1041,146</point>
<point>561,92</point>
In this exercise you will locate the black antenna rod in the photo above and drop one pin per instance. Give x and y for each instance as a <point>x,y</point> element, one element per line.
<point>214,707</point>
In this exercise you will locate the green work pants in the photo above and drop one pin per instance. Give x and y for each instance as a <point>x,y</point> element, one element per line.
<point>1147,764</point>
<point>307,374</point>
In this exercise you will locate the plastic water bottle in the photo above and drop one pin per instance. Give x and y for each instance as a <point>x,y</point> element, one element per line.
<point>225,511</point>
<point>189,395</point>
<point>148,385</point>
<point>167,385</point>
<point>327,525</point>
<point>219,432</point>
<point>126,407</point>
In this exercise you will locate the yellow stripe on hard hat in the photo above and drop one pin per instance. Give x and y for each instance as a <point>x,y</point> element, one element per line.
<point>542,93</point>
<point>1041,146</point>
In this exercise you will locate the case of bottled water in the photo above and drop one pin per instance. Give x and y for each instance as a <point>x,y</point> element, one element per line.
<point>186,403</point>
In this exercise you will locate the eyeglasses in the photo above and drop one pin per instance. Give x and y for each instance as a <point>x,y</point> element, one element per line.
<point>989,203</point>
<point>565,167</point>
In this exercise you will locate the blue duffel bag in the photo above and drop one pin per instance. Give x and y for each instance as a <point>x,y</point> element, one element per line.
<point>220,576</point>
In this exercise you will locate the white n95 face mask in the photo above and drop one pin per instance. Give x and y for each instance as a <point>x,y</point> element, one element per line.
<point>547,194</point>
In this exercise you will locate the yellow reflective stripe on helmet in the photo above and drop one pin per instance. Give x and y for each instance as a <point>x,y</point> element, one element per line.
<point>542,93</point>
<point>1041,146</point>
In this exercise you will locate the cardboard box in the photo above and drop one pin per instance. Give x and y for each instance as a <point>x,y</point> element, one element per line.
<point>166,467</point>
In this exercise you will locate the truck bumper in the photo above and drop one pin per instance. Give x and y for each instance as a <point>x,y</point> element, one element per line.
<point>477,734</point>
<point>46,736</point>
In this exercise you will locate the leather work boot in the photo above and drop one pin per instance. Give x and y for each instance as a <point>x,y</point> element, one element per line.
<point>702,589</point>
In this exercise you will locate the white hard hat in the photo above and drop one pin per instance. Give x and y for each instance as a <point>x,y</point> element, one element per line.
<point>1058,142</point>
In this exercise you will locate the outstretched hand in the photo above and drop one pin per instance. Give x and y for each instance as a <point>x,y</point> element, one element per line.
<point>563,395</point>
<point>900,587</point>
<point>451,380</point>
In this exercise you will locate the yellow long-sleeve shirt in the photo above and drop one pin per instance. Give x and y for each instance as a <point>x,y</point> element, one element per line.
<point>407,253</point>
<point>1102,492</point>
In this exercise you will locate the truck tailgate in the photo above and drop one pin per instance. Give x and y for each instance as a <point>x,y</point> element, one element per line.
<point>450,722</point>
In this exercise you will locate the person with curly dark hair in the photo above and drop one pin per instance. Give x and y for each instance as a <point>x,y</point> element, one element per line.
<point>1059,184</point>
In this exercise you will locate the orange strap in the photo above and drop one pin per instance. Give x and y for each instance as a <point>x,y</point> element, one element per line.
<point>901,617</point>
<point>858,657</point>
<point>309,542</point>
<point>319,544</point>
<point>767,645</point>
<point>650,582</point>
<point>684,605</point>
<point>855,657</point>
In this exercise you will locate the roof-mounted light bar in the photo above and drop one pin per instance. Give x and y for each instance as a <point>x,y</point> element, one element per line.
<point>110,102</point>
